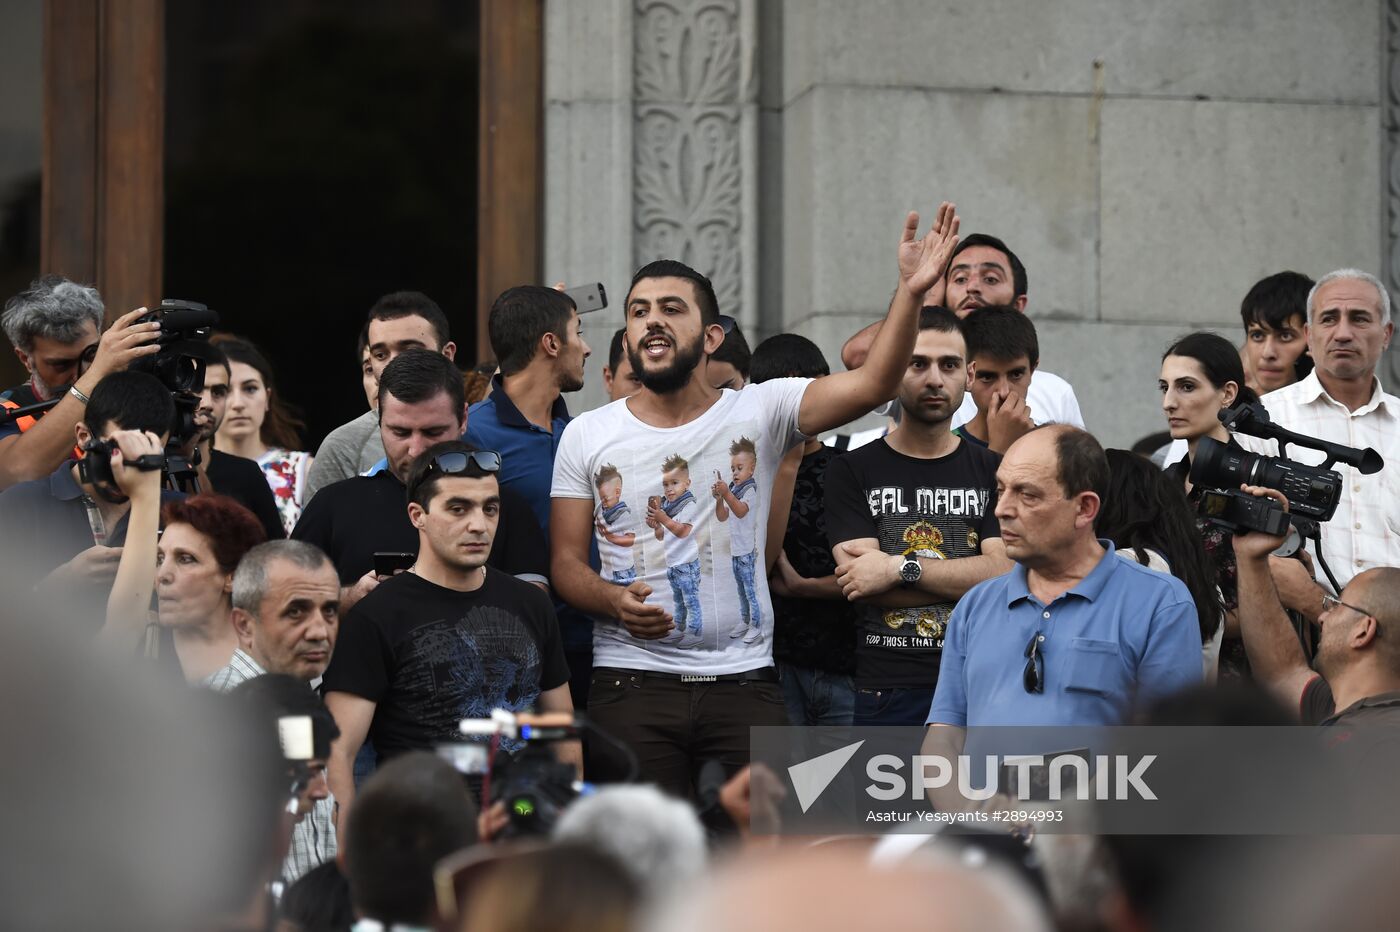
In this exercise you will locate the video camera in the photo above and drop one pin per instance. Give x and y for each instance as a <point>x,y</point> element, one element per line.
<point>530,780</point>
<point>179,365</point>
<point>1312,491</point>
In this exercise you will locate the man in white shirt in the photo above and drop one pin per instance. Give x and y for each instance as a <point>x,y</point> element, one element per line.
<point>669,681</point>
<point>1341,400</point>
<point>984,272</point>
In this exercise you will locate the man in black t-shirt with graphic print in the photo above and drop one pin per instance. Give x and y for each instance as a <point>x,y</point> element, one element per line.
<point>911,523</point>
<point>451,638</point>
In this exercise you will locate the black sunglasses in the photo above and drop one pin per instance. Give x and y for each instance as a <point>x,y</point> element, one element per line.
<point>452,464</point>
<point>1033,678</point>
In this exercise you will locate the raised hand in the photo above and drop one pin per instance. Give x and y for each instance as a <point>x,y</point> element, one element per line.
<point>1008,420</point>
<point>1255,545</point>
<point>923,261</point>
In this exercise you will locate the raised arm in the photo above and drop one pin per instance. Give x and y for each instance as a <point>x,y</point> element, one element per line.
<point>841,397</point>
<point>1275,656</point>
<point>130,598</point>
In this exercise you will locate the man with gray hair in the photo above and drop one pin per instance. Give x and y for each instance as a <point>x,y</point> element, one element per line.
<point>286,609</point>
<point>656,837</point>
<point>1341,400</point>
<point>54,326</point>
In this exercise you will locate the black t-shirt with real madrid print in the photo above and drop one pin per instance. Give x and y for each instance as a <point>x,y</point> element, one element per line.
<point>938,508</point>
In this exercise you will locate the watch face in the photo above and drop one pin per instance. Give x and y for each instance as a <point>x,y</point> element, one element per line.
<point>910,570</point>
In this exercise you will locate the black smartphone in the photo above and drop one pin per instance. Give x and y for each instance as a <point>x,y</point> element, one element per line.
<point>587,298</point>
<point>387,563</point>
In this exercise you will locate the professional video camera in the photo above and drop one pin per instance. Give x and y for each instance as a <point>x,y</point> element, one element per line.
<point>179,364</point>
<point>531,781</point>
<point>1312,491</point>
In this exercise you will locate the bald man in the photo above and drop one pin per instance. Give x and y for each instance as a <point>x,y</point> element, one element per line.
<point>1356,679</point>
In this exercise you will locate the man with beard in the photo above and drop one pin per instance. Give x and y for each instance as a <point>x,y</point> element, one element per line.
<point>984,272</point>
<point>911,523</point>
<point>238,477</point>
<point>1357,680</point>
<point>54,326</point>
<point>682,696</point>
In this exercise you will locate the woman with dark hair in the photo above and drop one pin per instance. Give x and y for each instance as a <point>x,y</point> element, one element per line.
<point>1201,375</point>
<point>1147,515</point>
<point>259,426</point>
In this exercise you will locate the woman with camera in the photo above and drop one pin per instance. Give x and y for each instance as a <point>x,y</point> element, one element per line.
<point>1202,375</point>
<point>257,425</point>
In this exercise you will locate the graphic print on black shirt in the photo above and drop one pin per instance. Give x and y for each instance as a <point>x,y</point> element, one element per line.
<point>430,657</point>
<point>936,508</point>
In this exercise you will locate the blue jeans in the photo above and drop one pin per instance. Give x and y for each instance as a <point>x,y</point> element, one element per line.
<point>898,705</point>
<point>748,592</point>
<point>625,577</point>
<point>815,697</point>
<point>685,590</point>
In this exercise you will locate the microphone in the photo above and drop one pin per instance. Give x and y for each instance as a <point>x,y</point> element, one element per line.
<point>1253,420</point>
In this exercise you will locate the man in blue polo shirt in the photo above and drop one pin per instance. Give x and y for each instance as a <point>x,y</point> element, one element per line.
<point>538,343</point>
<point>1074,634</point>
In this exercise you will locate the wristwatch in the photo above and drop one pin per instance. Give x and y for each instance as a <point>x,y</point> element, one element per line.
<point>910,570</point>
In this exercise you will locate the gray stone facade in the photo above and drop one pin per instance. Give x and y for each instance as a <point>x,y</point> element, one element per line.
<point>1148,161</point>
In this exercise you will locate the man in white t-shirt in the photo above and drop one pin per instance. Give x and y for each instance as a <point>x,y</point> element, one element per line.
<point>984,272</point>
<point>668,681</point>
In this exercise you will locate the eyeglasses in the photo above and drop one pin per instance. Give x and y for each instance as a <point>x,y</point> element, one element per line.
<point>1330,601</point>
<point>1033,677</point>
<point>454,463</point>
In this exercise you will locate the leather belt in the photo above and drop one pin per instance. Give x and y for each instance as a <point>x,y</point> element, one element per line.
<point>761,675</point>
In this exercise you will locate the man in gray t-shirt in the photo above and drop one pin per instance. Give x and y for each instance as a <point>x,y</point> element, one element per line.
<point>403,320</point>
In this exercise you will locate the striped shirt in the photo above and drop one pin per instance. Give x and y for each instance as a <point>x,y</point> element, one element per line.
<point>313,838</point>
<point>1365,531</point>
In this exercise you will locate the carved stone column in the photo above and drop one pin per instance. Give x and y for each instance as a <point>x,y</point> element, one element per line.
<point>695,142</point>
<point>1390,371</point>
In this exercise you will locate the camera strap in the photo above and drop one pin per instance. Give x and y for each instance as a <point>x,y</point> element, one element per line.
<point>95,522</point>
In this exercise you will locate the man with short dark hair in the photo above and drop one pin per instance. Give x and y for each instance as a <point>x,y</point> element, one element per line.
<point>1002,353</point>
<point>984,272</point>
<point>618,377</point>
<point>1074,634</point>
<point>669,679</point>
<point>413,813</point>
<point>54,326</point>
<point>398,322</point>
<point>449,639</point>
<point>728,366</point>
<point>421,403</point>
<point>1275,316</point>
<point>911,526</point>
<point>75,529</point>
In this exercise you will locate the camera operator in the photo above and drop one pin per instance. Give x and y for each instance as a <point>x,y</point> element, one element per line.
<point>1357,678</point>
<point>1342,401</point>
<point>72,531</point>
<point>54,326</point>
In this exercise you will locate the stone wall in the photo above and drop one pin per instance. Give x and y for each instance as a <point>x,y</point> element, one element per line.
<point>1147,160</point>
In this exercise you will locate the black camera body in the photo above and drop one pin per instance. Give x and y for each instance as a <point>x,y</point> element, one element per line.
<point>180,364</point>
<point>535,786</point>
<point>1313,492</point>
<point>95,468</point>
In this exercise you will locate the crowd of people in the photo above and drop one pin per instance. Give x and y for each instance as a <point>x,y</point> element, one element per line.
<point>710,551</point>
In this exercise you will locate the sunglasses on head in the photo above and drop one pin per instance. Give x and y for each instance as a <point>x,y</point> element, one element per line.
<point>1033,677</point>
<point>456,463</point>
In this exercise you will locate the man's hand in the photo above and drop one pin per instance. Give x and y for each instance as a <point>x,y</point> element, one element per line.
<point>136,484</point>
<point>1252,545</point>
<point>923,261</point>
<point>1008,420</point>
<point>362,587</point>
<point>124,342</point>
<point>93,565</point>
<point>641,620</point>
<point>751,799</point>
<point>864,570</point>
<point>490,822</point>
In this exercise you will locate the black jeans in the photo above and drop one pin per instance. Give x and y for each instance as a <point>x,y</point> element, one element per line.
<point>674,727</point>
